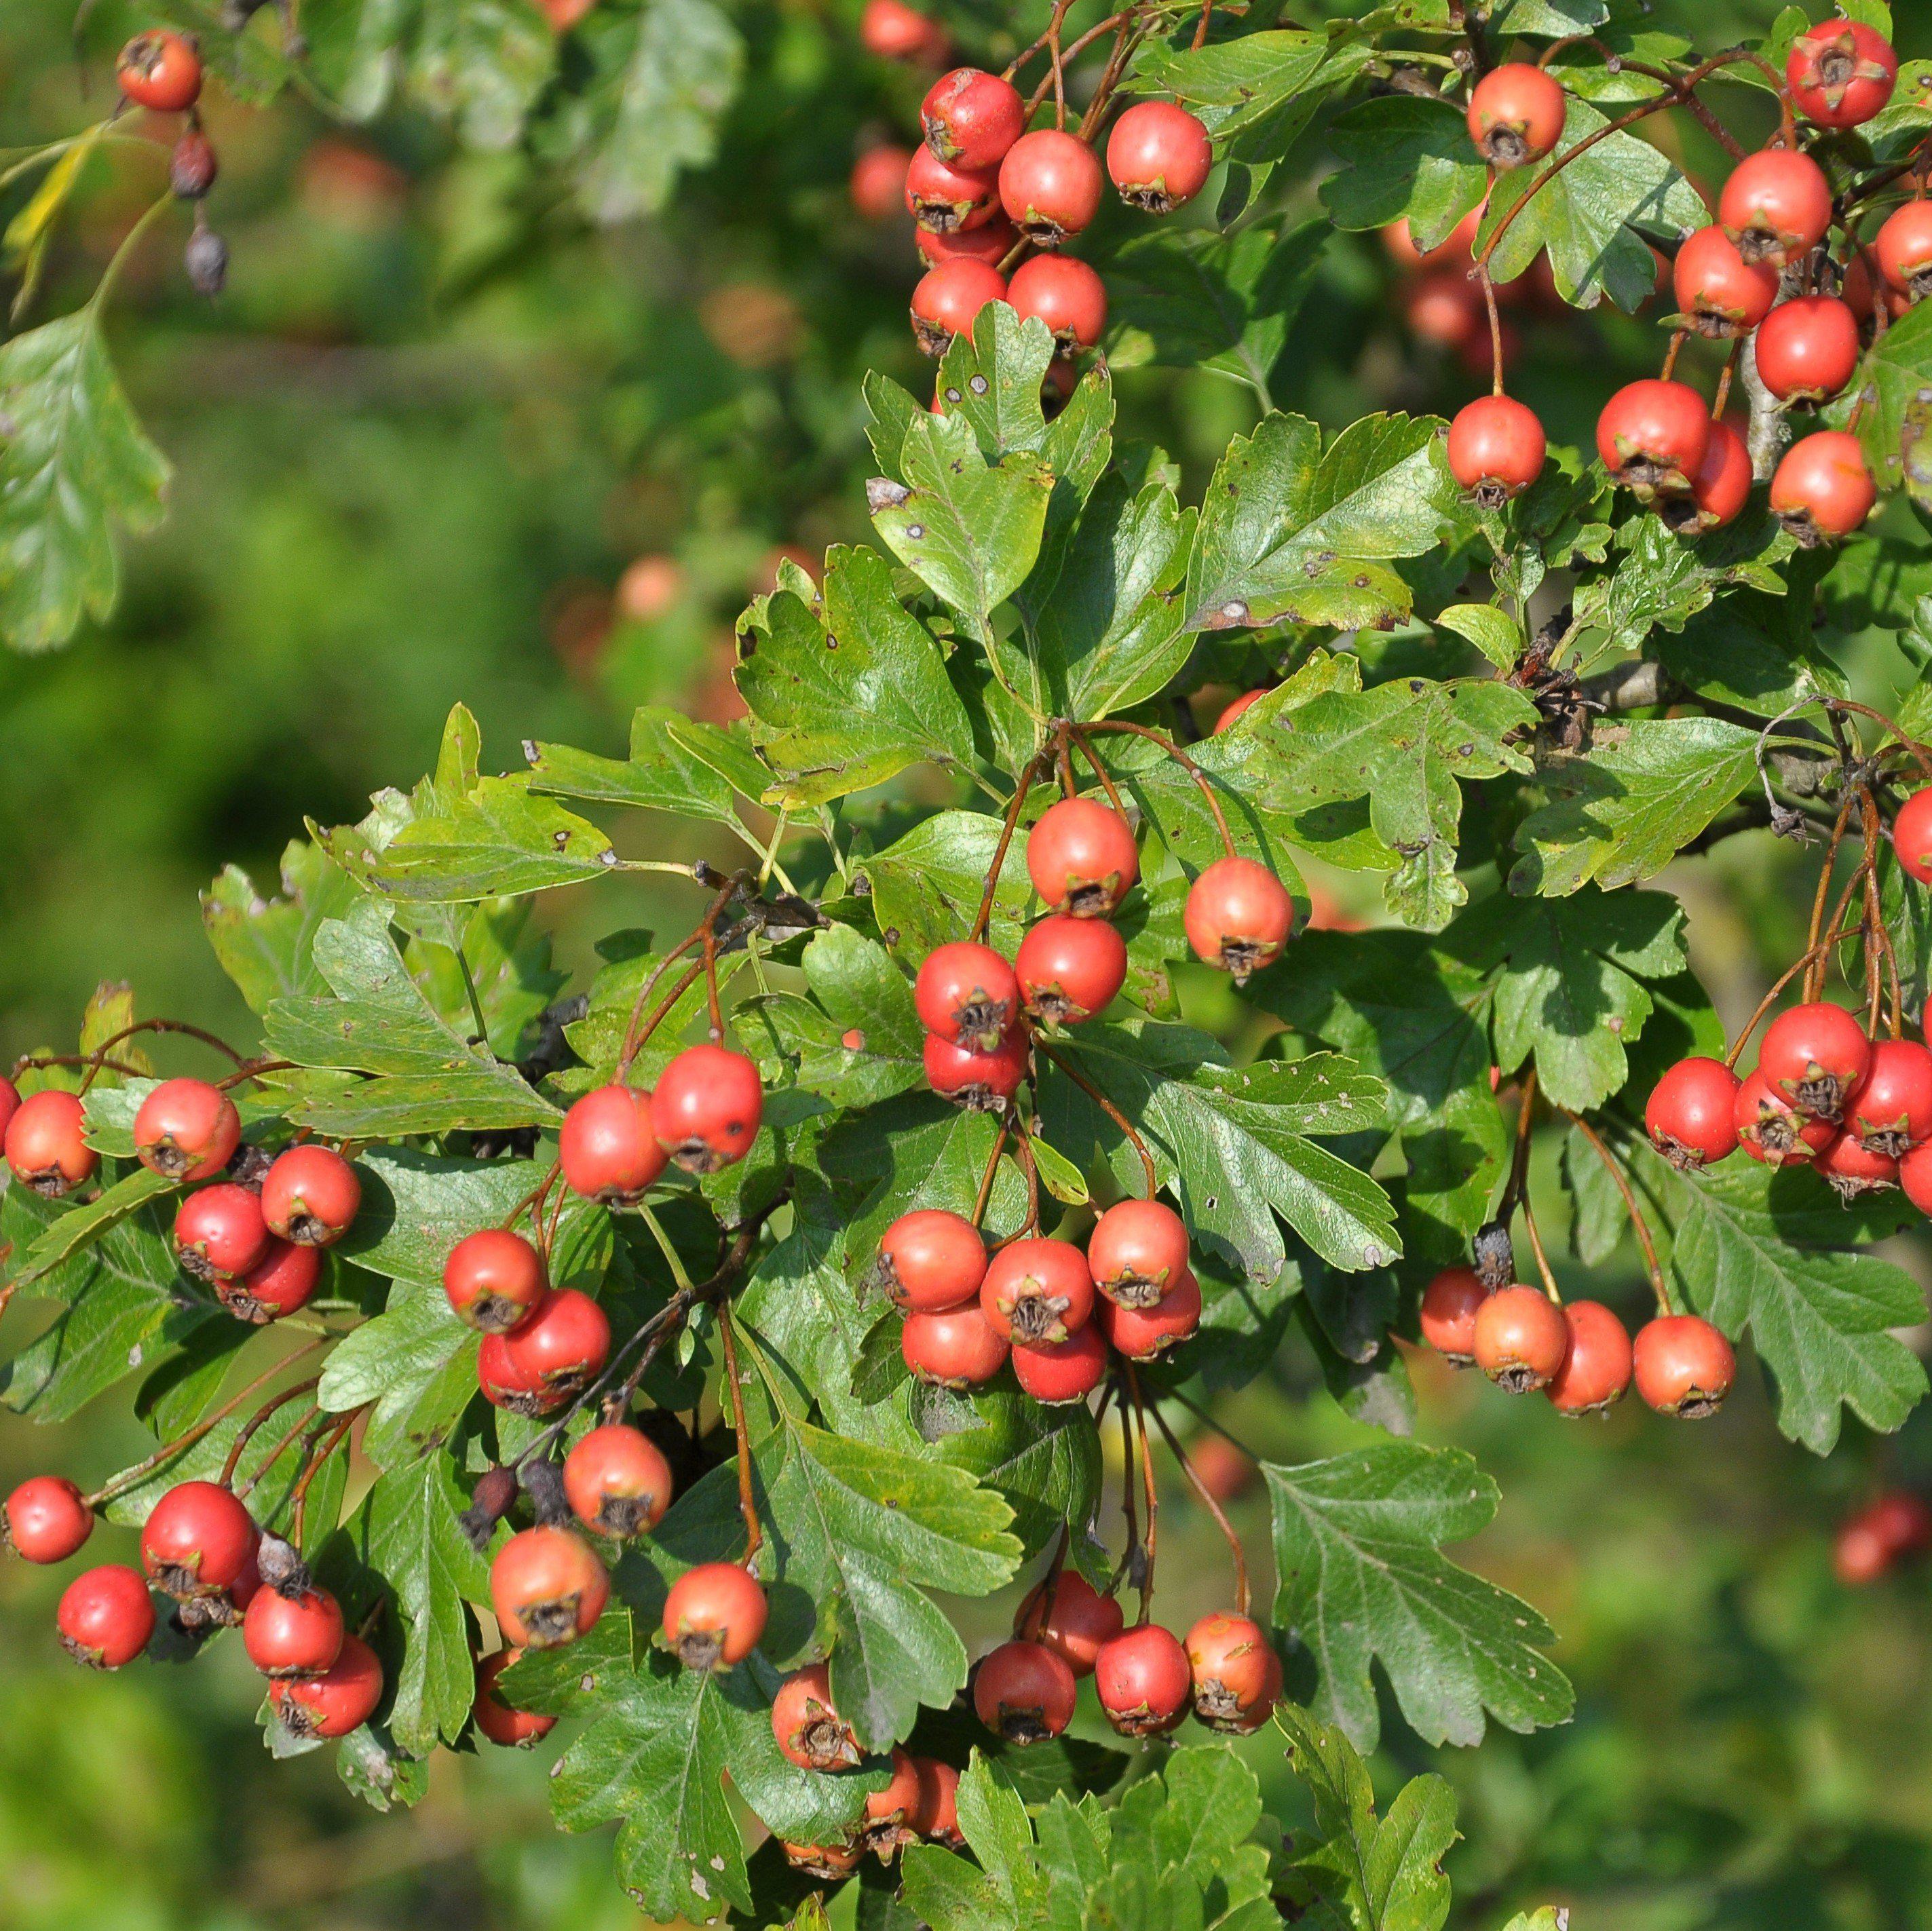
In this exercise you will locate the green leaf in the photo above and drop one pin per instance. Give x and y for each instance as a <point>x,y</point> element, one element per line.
<point>926,886</point>
<point>267,946</point>
<point>1239,84</point>
<point>676,764</point>
<point>1659,581</point>
<point>861,1042</point>
<point>85,1223</point>
<point>1494,632</point>
<point>1893,380</point>
<point>415,1362</point>
<point>1403,158</point>
<point>1043,1462</point>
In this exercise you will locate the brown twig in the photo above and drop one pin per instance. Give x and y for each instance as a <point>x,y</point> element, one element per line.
<point>1614,1168</point>
<point>1238,1554</point>
<point>239,1446</point>
<point>747,1505</point>
<point>1113,1113</point>
<point>1181,758</point>
<point>983,1199</point>
<point>1151,1495</point>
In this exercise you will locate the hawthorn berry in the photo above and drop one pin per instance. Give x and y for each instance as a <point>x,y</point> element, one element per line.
<point>310,1196</point>
<point>105,1617</point>
<point>616,1481</point>
<point>1069,969</point>
<point>10,1104</point>
<point>1859,1556</point>
<point>1141,1334</point>
<point>714,1615</point>
<point>494,1279</point>
<point>187,1130</point>
<point>1915,1177</point>
<point>1024,1691</point>
<point>160,70</point>
<point>1912,836</point>
<point>1596,1369</point>
<point>706,1107</point>
<point>1691,1115</point>
<point>279,1283</point>
<point>1496,448</point>
<point>1890,1110</point>
<point>966,994</point>
<point>1776,206</point>
<point>1516,115</point>
<point>293,1631</point>
<point>551,1356</point>
<point>948,298</point>
<point>1718,291</point>
<point>992,242</point>
<point>1815,1055</point>
<point>810,1732</point>
<point>1239,709</point>
<point>197,1540</point>
<point>1037,1290</point>
<point>1904,246</point>
<point>1520,1339</point>
<point>192,166</point>
<point>930,1260</point>
<point>1651,437</point>
<point>513,1729</point>
<point>44,1146</point>
<point>1841,73</point>
<point>828,1862</point>
<point>956,1347</point>
<point>1450,1305</point>
<point>1081,858</point>
<point>1050,185</point>
<point>1683,1365</point>
<point>343,1699</point>
<point>1159,156</point>
<point>607,1148</point>
<point>1143,1680</point>
<point>218,1232</point>
<point>46,1519</point>
<point>893,31</point>
<point>1822,490</point>
<point>1457,249</point>
<point>1854,1168</point>
<point>1807,348</point>
<point>1138,1248</point>
<point>547,1587</point>
<point>1770,1129</point>
<point>937,1817</point>
<point>948,200</point>
<point>1238,916</point>
<point>1056,1372</point>
<point>1064,293</point>
<point>1235,1671</point>
<point>970,117</point>
<point>1442,307</point>
<point>877,184</point>
<point>887,1822</point>
<point>980,1082</point>
<point>1072,1621</point>
<point>1719,490</point>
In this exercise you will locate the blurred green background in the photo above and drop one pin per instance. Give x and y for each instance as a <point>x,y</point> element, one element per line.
<point>418,445</point>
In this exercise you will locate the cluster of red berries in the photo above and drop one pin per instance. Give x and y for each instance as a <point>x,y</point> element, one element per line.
<point>161,71</point>
<point>1893,1528</point>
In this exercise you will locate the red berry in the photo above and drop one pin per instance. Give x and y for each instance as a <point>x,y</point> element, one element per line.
<point>1141,1333</point>
<point>160,70</point>
<point>1719,292</point>
<point>1076,1620</point>
<point>810,1732</point>
<point>1684,1366</point>
<point>1139,1249</point>
<point>343,1699</point>
<point>44,1146</point>
<point>1069,969</point>
<point>1912,836</point>
<point>187,1130</point>
<point>1065,294</point>
<point>1776,206</point>
<point>828,1862</point>
<point>46,1519</point>
<point>105,1617</point>
<point>1238,916</point>
<point>706,1107</point>
<point>1691,1115</point>
<point>1050,185</point>
<point>1516,115</point>
<point>616,1481</point>
<point>1144,1683</point>
<point>10,1104</point>
<point>1037,1290</point>
<point>546,1587</point>
<point>947,198</point>
<point>981,1082</point>
<point>1904,245</point>
<point>971,117</point>
<point>1652,436</point>
<point>496,1720</point>
<point>893,31</point>
<point>1807,348</point>
<point>877,184</point>
<point>198,1541</point>
<point>1057,1372</point>
<point>552,1357</point>
<point>1890,1109</point>
<point>937,1819</point>
<point>957,1348</point>
<point>1239,709</point>
<point>606,1148</point>
<point>310,1196</point>
<point>1915,1176</point>
<point>494,1279</point>
<point>1450,1305</point>
<point>1496,448</point>
<point>1859,1556</point>
<point>1903,1522</point>
<point>714,1615</point>
<point>296,1634</point>
<point>992,242</point>
<point>1236,1673</point>
<point>219,1234</point>
<point>1822,490</point>
<point>1024,1693</point>
<point>1159,156</point>
<point>278,1284</point>
<point>1444,307</point>
<point>887,1822</point>
<point>1596,1369</point>
<point>1720,490</point>
<point>1770,1129</point>
<point>949,297</point>
<point>1521,1338</point>
<point>1840,73</point>
<point>929,1260</point>
<point>1814,1055</point>
<point>1082,858</point>
<point>1853,1168</point>
<point>966,994</point>
<point>1457,250</point>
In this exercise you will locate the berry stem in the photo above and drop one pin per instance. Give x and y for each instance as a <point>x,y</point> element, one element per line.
<point>1037,767</point>
<point>1030,1167</point>
<point>1151,1495</point>
<point>747,1505</point>
<point>1187,763</point>
<point>1483,276</point>
<point>239,1446</point>
<point>679,1278</point>
<point>94,1061</point>
<point>1879,952</point>
<point>1516,1186</point>
<point>1770,998</point>
<point>1235,1551</point>
<point>305,1419</point>
<point>534,1198</point>
<point>1028,1628</point>
<point>1093,757</point>
<point>1113,1113</point>
<point>1671,352</point>
<point>1548,1279</point>
<point>983,1198</point>
<point>1614,1168</point>
<point>299,1495</point>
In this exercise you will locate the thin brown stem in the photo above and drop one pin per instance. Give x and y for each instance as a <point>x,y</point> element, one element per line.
<point>1113,1113</point>
<point>1488,287</point>
<point>1093,757</point>
<point>1614,1168</point>
<point>239,1446</point>
<point>534,1198</point>
<point>748,1504</point>
<point>983,1199</point>
<point>1236,1552</point>
<point>1677,337</point>
<point>1548,1279</point>
<point>1150,1494</point>
<point>1515,1188</point>
<point>303,1421</point>
<point>1187,763</point>
<point>1041,763</point>
<point>298,1496</point>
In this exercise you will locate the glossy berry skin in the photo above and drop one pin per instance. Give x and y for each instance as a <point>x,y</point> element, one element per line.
<point>1516,115</point>
<point>281,1282</point>
<point>1050,185</point>
<point>970,117</point>
<point>1144,1682</point>
<point>343,1699</point>
<point>310,1196</point>
<point>992,242</point>
<point>1683,1366</point>
<point>1721,293</point>
<point>714,1616</point>
<point>966,994</point>
<point>706,1107</point>
<point>1159,156</point>
<point>219,1233</point>
<point>1238,916</point>
<point>1138,1248</point>
<point>198,1541</point>
<point>616,1481</point>
<point>1915,1176</point>
<point>1904,248</point>
<point>557,1351</point>
<point>510,1728</point>
<point>1890,1110</point>
<point>1807,348</point>
<point>947,299</point>
<point>930,1260</point>
<point>887,1821</point>
<point>1853,1169</point>
<point>1057,1372</point>
<point>1024,1691</point>
<point>45,1519</point>
<point>1814,1055</point>
<point>946,199</point>
<point>1912,836</point>
<point>187,1130</point>
<point>1691,1115</point>
<point>1074,1622</point>
<point>1235,1672</point>
<point>1142,1333</point>
<point>10,1104</point>
<point>981,1082</point>
<point>607,1148</point>
<point>1841,73</point>
<point>1772,1130</point>
<point>1651,436</point>
<point>937,1817</point>
<point>1082,859</point>
<point>1449,1304</point>
<point>1720,490</point>
<point>494,1279</point>
<point>105,1617</point>
<point>956,1349</point>
<point>160,70</point>
<point>1521,1338</point>
<point>1822,490</point>
<point>1069,969</point>
<point>877,184</point>
<point>44,1146</point>
<point>1065,294</point>
<point>1238,709</point>
<point>1776,206</point>
<point>893,31</point>
<point>1596,1369</point>
<point>810,1732</point>
<point>292,1635</point>
<point>1496,448</point>
<point>546,1587</point>
<point>1037,1290</point>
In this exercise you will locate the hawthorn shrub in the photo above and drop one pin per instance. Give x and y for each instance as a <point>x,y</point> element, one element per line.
<point>690,1328</point>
